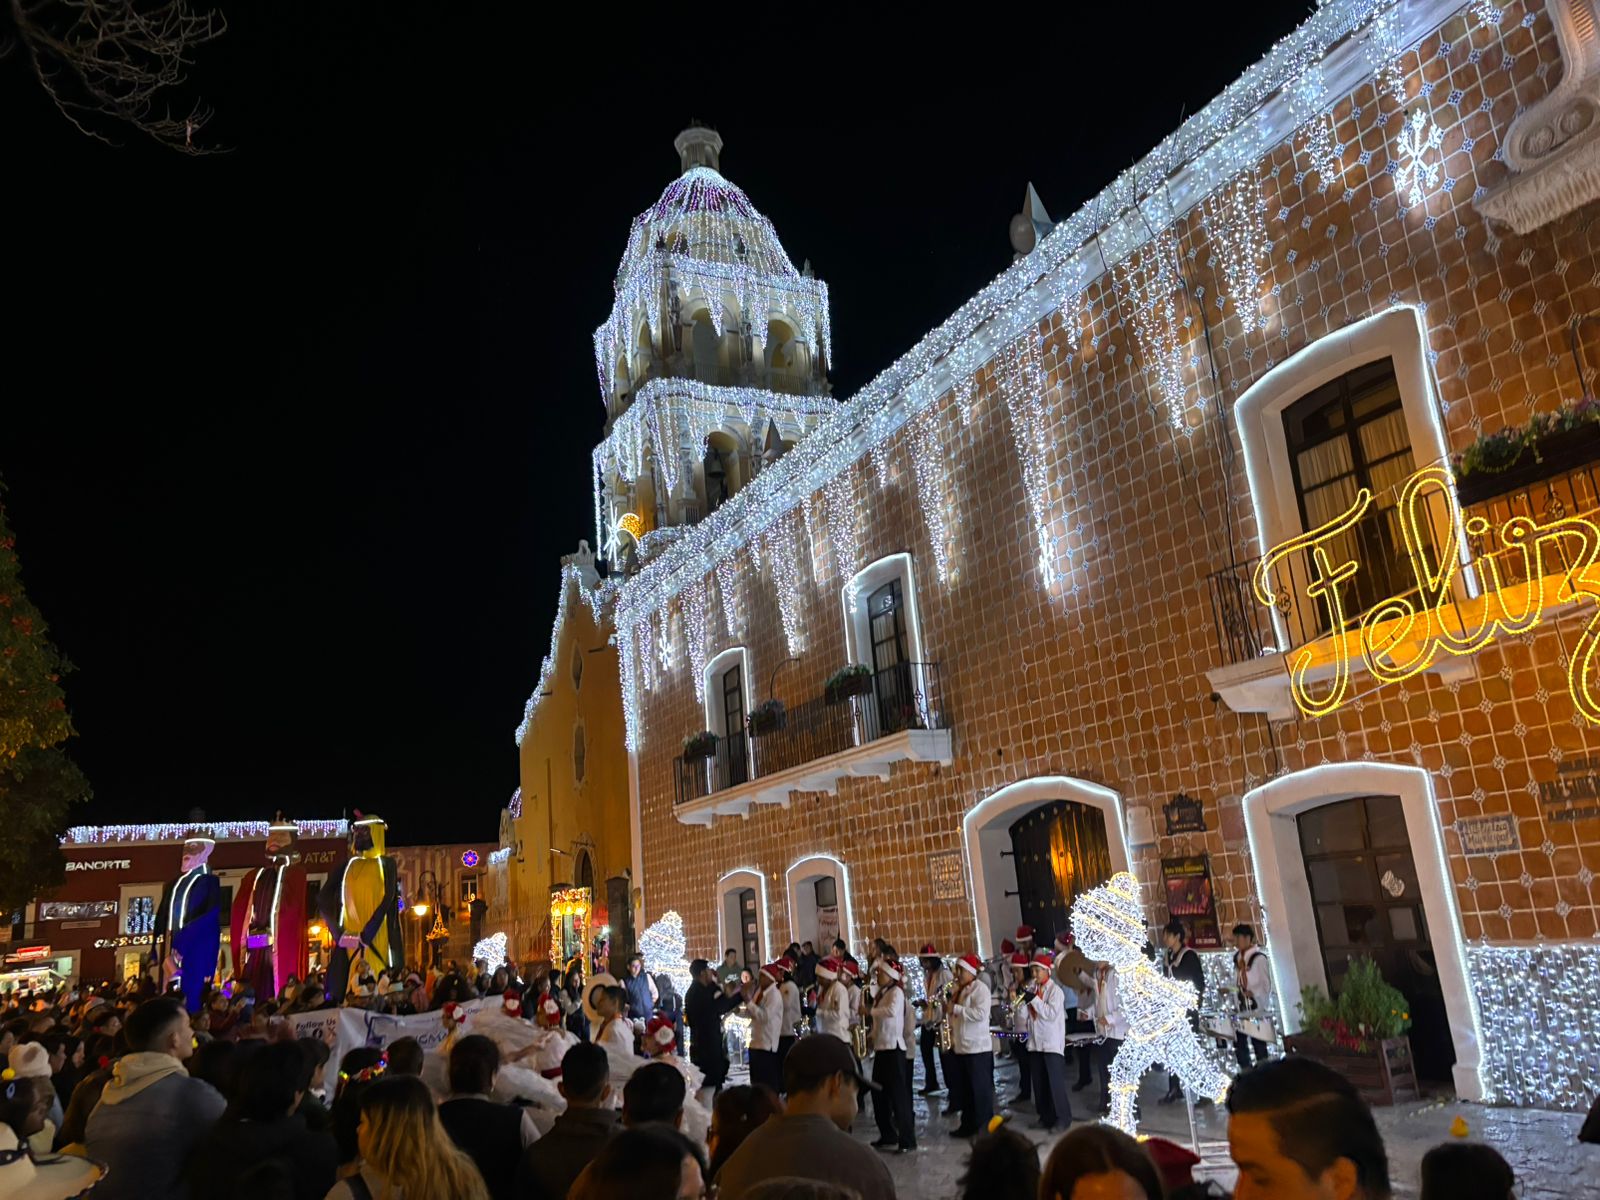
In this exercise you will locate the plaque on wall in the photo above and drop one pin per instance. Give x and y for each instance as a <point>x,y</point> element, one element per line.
<point>948,879</point>
<point>1141,826</point>
<point>1189,898</point>
<point>1488,835</point>
<point>1184,815</point>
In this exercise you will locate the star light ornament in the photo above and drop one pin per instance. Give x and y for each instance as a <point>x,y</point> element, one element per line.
<point>1416,170</point>
<point>1108,924</point>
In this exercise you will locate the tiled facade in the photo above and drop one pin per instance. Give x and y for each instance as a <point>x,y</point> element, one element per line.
<point>1101,675</point>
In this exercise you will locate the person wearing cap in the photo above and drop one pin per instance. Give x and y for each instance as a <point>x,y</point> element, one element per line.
<point>1021,1027</point>
<point>1047,1021</point>
<point>834,1006</point>
<point>811,1138</point>
<point>1075,973</point>
<point>23,1104</point>
<point>31,1060</point>
<point>792,1013</point>
<point>972,1048</point>
<point>1025,939</point>
<point>766,1028</point>
<point>891,1070</point>
<point>188,927</point>
<point>930,1015</point>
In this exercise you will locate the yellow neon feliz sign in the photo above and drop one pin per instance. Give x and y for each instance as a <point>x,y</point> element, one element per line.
<point>1406,634</point>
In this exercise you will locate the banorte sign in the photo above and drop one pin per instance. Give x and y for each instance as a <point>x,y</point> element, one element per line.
<point>1405,634</point>
<point>101,864</point>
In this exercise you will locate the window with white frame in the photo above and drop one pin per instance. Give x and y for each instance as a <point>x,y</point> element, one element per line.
<point>883,632</point>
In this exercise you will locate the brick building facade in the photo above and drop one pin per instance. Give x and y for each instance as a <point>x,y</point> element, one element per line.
<point>1037,533</point>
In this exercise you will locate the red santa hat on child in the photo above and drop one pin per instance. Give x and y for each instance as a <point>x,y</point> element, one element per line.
<point>891,968</point>
<point>1044,959</point>
<point>828,968</point>
<point>1007,946</point>
<point>659,1036</point>
<point>1064,941</point>
<point>851,968</point>
<point>1024,933</point>
<point>1019,959</point>
<point>774,971</point>
<point>928,952</point>
<point>970,962</point>
<point>549,1012</point>
<point>511,1002</point>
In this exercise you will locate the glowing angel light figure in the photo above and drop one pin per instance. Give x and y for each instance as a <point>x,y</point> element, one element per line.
<point>1108,925</point>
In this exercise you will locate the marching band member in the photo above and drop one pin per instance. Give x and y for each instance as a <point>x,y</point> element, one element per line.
<point>1075,973</point>
<point>890,1070</point>
<point>766,1027</point>
<point>972,1050</point>
<point>1254,976</point>
<point>1021,1026</point>
<point>792,1012</point>
<point>932,1013</point>
<point>1110,1023</point>
<point>1182,963</point>
<point>1047,1018</point>
<point>835,1006</point>
<point>1025,939</point>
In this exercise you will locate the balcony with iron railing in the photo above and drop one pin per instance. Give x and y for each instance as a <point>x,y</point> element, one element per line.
<point>1428,568</point>
<point>898,716</point>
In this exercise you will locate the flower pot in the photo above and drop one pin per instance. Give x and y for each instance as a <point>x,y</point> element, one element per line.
<point>1384,1074</point>
<point>766,721</point>
<point>838,691</point>
<point>1547,458</point>
<point>699,749</point>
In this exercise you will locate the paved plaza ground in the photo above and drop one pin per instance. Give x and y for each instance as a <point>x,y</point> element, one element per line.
<point>1541,1146</point>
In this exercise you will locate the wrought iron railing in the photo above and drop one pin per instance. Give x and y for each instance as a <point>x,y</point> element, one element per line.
<point>1247,629</point>
<point>905,696</point>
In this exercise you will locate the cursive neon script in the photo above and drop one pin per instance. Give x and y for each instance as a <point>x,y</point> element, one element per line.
<point>1405,634</point>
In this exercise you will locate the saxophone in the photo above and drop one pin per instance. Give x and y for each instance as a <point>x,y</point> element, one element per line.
<point>947,1034</point>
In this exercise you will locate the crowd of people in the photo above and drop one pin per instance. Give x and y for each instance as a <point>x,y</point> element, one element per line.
<point>549,1084</point>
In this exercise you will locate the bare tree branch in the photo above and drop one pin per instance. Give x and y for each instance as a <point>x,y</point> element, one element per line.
<point>101,59</point>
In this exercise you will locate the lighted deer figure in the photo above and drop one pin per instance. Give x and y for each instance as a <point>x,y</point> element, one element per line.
<point>1108,925</point>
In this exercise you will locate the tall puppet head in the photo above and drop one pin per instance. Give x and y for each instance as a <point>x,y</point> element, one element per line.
<point>1108,921</point>
<point>280,837</point>
<point>197,847</point>
<point>367,836</point>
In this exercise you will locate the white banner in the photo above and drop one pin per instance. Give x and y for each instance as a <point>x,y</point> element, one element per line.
<point>346,1029</point>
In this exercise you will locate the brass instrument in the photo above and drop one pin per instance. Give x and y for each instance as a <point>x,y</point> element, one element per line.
<point>946,1034</point>
<point>858,1041</point>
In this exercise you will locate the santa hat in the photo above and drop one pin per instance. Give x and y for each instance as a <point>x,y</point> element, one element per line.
<point>512,1002</point>
<point>549,1012</point>
<point>1019,959</point>
<point>786,963</point>
<point>1024,933</point>
<point>970,962</point>
<point>1174,1162</point>
<point>828,968</point>
<point>774,971</point>
<point>659,1036</point>
<point>892,969</point>
<point>851,968</point>
<point>928,952</point>
<point>1063,940</point>
<point>454,1013</point>
<point>1007,946</point>
<point>1044,959</point>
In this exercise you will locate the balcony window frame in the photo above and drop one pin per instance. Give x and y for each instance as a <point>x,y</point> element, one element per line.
<point>858,621</point>
<point>716,719</point>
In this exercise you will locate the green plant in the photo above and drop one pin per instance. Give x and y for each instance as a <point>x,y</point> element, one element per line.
<point>1368,1010</point>
<point>845,675</point>
<point>700,745</point>
<point>1497,451</point>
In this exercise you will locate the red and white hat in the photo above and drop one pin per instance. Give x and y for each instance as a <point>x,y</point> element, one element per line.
<point>1019,959</point>
<point>787,963</point>
<point>659,1036</point>
<point>774,971</point>
<point>1024,933</point>
<point>1064,940</point>
<point>511,1002</point>
<point>851,968</point>
<point>1044,959</point>
<point>891,968</point>
<point>455,1013</point>
<point>1007,946</point>
<point>928,952</point>
<point>549,1012</point>
<point>971,963</point>
<point>828,968</point>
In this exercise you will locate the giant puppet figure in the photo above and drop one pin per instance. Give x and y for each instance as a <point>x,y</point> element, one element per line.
<point>269,917</point>
<point>361,903</point>
<point>189,923</point>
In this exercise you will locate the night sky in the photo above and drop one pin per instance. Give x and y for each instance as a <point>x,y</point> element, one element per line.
<point>295,435</point>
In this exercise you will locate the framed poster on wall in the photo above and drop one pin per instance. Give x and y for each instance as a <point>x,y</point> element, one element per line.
<point>1190,899</point>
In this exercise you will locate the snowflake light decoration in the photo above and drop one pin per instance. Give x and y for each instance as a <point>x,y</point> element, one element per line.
<point>1416,171</point>
<point>662,944</point>
<point>491,951</point>
<point>1108,923</point>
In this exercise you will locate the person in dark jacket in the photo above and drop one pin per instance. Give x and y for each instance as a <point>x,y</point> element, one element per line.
<point>704,1008</point>
<point>551,1165</point>
<point>1184,964</point>
<point>491,1133</point>
<point>641,990</point>
<point>260,1138</point>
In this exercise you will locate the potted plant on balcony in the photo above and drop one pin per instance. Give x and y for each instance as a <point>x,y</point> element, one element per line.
<point>853,680</point>
<point>700,746</point>
<point>766,717</point>
<point>1550,444</point>
<point>1362,1034</point>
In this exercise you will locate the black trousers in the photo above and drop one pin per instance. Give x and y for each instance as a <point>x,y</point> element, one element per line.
<point>1084,1051</point>
<point>766,1069</point>
<point>891,1107</point>
<point>928,1040</point>
<point>785,1044</point>
<point>975,1073</point>
<point>1241,1050</point>
<point>1050,1088</point>
<point>1104,1052</point>
<point>1024,1057</point>
<point>715,1070</point>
